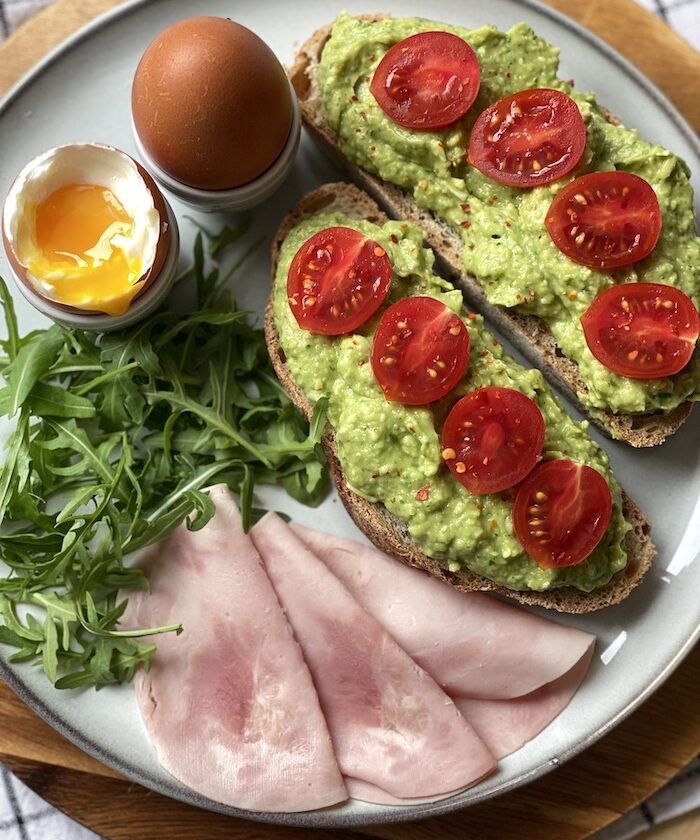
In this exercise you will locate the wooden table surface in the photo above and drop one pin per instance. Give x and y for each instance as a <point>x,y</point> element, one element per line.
<point>580,797</point>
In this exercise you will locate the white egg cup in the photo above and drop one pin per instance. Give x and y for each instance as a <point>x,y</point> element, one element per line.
<point>146,303</point>
<point>237,198</point>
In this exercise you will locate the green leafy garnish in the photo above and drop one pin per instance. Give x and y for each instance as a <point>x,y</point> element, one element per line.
<point>114,437</point>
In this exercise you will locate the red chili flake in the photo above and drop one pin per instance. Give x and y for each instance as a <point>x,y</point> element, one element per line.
<point>412,429</point>
<point>423,494</point>
<point>494,342</point>
<point>394,238</point>
<point>466,224</point>
<point>361,362</point>
<point>471,316</point>
<point>375,475</point>
<point>465,208</point>
<point>507,223</point>
<point>353,98</point>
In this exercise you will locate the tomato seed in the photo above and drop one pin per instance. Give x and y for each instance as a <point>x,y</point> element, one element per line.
<point>540,496</point>
<point>460,467</point>
<point>449,454</point>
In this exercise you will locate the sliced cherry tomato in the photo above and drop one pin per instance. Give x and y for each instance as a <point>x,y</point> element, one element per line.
<point>605,219</point>
<point>492,438</point>
<point>642,330</point>
<point>337,281</point>
<point>427,81</point>
<point>561,512</point>
<point>530,138</point>
<point>420,351</point>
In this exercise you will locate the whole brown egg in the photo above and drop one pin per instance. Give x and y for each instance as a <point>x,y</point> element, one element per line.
<point>211,103</point>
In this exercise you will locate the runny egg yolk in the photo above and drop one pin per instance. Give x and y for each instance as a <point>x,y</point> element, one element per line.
<point>77,232</point>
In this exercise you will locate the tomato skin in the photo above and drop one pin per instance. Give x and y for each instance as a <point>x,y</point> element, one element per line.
<point>337,281</point>
<point>561,512</point>
<point>506,429</point>
<point>420,351</point>
<point>539,132</point>
<point>427,81</point>
<point>642,330</point>
<point>605,220</point>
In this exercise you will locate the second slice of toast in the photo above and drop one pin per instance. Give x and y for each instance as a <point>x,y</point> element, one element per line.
<point>384,529</point>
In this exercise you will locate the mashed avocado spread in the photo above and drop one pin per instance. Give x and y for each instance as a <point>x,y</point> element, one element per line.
<point>506,246</point>
<point>389,452</point>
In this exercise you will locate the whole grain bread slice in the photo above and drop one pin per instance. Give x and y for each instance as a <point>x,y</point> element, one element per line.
<point>528,333</point>
<point>384,529</point>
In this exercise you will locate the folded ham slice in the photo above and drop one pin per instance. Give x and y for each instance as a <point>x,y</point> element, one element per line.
<point>229,704</point>
<point>505,725</point>
<point>472,644</point>
<point>392,726</point>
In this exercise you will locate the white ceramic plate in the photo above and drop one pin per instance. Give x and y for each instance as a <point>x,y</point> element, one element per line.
<point>81,92</point>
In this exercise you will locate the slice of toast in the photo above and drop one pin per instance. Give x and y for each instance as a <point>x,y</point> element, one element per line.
<point>384,529</point>
<point>527,332</point>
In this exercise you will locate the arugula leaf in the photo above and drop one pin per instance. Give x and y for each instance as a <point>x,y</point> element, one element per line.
<point>32,360</point>
<point>57,402</point>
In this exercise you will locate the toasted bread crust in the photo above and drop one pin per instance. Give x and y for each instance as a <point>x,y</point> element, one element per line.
<point>527,332</point>
<point>385,530</point>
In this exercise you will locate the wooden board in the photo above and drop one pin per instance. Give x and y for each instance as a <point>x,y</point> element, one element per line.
<point>570,803</point>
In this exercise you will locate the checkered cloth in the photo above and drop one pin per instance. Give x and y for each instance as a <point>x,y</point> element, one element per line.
<point>24,816</point>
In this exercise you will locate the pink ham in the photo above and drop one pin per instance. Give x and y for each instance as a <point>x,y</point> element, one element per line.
<point>472,644</point>
<point>230,705</point>
<point>505,725</point>
<point>392,726</point>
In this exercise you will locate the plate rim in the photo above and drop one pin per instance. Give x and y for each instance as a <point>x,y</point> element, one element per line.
<point>322,818</point>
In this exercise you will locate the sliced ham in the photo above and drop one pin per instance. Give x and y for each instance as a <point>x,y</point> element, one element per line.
<point>505,725</point>
<point>229,704</point>
<point>371,793</point>
<point>472,644</point>
<point>392,726</point>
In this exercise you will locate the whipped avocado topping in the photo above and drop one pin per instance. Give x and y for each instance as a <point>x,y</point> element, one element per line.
<point>506,246</point>
<point>389,452</point>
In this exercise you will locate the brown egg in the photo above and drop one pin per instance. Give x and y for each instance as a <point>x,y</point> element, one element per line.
<point>211,103</point>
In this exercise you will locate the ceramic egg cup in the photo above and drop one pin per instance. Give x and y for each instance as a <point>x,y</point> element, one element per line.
<point>141,307</point>
<point>237,198</point>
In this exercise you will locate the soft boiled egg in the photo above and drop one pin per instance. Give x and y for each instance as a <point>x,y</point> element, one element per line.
<point>86,227</point>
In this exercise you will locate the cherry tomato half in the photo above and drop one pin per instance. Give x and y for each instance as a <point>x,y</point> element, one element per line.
<point>337,281</point>
<point>492,438</point>
<point>427,81</point>
<point>561,512</point>
<point>642,330</point>
<point>605,219</point>
<point>420,351</point>
<point>530,138</point>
